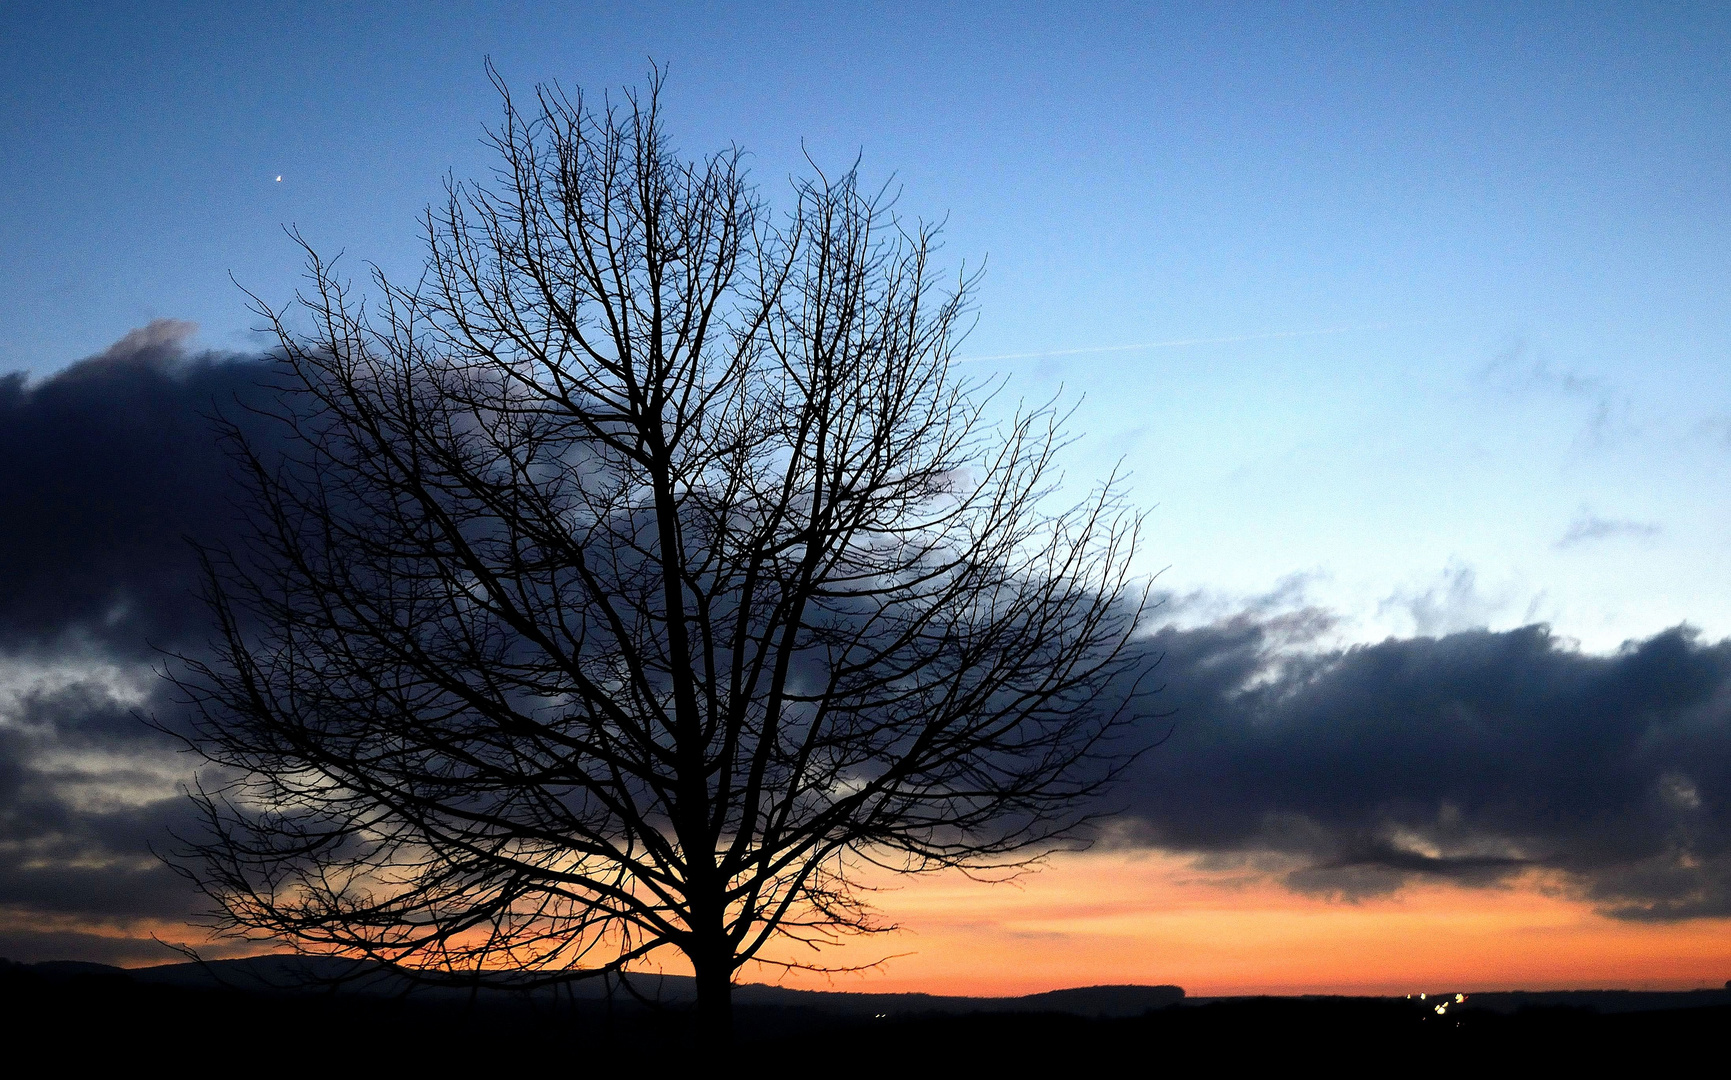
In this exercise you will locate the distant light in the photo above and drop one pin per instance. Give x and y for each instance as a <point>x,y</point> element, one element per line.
<point>279,179</point>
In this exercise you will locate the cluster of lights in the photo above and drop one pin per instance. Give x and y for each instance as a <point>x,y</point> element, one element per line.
<point>1442,1007</point>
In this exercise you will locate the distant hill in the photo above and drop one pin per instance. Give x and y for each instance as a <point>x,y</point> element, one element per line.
<point>298,974</point>
<point>63,968</point>
<point>1104,1002</point>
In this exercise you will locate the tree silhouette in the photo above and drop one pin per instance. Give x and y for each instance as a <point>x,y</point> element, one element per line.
<point>637,580</point>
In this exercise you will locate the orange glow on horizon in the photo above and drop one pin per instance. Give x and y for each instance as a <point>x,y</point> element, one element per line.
<point>1148,917</point>
<point>1155,918</point>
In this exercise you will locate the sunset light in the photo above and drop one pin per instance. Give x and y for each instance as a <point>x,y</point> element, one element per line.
<point>898,533</point>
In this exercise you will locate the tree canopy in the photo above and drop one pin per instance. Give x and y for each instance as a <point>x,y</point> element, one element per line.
<point>640,576</point>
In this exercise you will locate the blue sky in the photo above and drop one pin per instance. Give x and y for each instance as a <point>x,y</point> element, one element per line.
<point>1470,259</point>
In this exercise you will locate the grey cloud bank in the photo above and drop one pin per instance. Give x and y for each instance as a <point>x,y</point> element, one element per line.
<point>106,469</point>
<point>1469,755</point>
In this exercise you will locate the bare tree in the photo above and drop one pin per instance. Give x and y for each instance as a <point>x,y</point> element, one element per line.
<point>640,578</point>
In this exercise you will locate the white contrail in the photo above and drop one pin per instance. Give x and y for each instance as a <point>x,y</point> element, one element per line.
<point>1173,344</point>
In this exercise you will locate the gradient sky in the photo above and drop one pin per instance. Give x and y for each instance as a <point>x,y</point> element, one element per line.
<point>1413,319</point>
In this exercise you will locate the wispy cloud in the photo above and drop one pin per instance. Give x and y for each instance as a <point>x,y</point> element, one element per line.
<point>1453,604</point>
<point>1175,343</point>
<point>1524,370</point>
<point>1589,527</point>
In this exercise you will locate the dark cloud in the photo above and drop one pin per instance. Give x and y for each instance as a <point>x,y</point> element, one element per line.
<point>86,792</point>
<point>1469,756</point>
<point>105,469</point>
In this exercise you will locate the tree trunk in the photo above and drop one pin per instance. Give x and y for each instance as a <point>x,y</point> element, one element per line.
<point>714,998</point>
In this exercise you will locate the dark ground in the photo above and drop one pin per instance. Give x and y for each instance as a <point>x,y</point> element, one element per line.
<point>82,1016</point>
